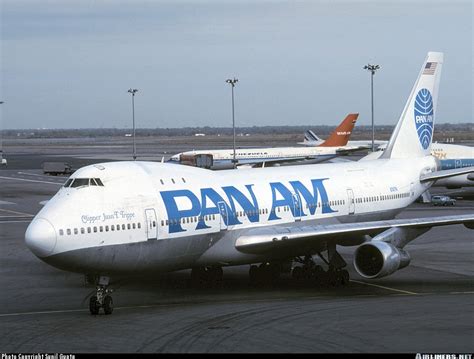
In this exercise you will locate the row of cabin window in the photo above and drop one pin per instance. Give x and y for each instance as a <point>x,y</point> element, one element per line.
<point>96,229</point>
<point>172,180</point>
<point>383,198</point>
<point>242,213</point>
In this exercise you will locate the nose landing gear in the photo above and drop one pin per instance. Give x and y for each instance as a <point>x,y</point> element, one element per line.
<point>102,298</point>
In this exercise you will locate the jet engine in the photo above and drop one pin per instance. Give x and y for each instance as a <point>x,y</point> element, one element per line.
<point>378,259</point>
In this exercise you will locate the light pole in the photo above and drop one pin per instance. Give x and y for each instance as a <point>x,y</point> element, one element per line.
<point>232,83</point>
<point>372,69</point>
<point>133,91</point>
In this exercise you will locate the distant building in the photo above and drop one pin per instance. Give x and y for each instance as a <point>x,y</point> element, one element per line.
<point>199,134</point>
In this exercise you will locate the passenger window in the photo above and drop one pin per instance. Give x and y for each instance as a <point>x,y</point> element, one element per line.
<point>167,223</point>
<point>184,181</point>
<point>139,225</point>
<point>123,227</point>
<point>95,229</point>
<point>162,181</point>
<point>89,230</point>
<point>68,231</point>
<point>101,229</point>
<point>76,231</point>
<point>61,232</point>
<point>112,228</point>
<point>106,228</point>
<point>154,223</point>
<point>128,226</point>
<point>161,222</point>
<point>133,225</point>
<point>118,227</point>
<point>172,180</point>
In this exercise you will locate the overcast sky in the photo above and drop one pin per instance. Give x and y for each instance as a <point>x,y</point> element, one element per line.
<point>69,64</point>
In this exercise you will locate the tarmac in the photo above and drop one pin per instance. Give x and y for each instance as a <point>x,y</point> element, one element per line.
<point>427,307</point>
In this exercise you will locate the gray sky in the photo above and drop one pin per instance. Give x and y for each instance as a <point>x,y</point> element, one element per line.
<point>68,64</point>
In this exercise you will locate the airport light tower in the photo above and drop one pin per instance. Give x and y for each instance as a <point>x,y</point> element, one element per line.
<point>133,91</point>
<point>232,83</point>
<point>372,69</point>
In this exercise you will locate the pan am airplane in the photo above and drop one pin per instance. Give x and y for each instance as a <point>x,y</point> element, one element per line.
<point>136,217</point>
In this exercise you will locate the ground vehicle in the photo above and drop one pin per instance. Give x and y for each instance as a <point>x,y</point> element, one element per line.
<point>442,201</point>
<point>57,168</point>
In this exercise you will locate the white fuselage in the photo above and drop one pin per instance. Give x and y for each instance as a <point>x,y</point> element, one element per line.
<point>162,216</point>
<point>269,153</point>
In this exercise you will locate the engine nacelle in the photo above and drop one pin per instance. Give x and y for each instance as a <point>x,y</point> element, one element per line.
<point>378,259</point>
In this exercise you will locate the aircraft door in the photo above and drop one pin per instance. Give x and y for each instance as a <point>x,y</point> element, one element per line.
<point>350,199</point>
<point>223,215</point>
<point>297,206</point>
<point>151,224</point>
<point>457,164</point>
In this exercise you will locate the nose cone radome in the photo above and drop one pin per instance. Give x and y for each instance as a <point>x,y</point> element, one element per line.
<point>40,237</point>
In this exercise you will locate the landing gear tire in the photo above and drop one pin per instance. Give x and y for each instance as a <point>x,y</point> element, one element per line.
<point>253,275</point>
<point>297,273</point>
<point>206,277</point>
<point>94,306</point>
<point>108,305</point>
<point>345,277</point>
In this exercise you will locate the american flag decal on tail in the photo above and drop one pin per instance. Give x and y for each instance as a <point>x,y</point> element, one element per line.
<point>430,68</point>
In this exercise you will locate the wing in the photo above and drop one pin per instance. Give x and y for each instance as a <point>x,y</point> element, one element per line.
<point>265,239</point>
<point>433,176</point>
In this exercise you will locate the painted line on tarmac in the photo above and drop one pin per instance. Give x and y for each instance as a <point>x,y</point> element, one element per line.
<point>30,180</point>
<point>32,174</point>
<point>381,286</point>
<point>15,212</point>
<point>14,222</point>
<point>6,203</point>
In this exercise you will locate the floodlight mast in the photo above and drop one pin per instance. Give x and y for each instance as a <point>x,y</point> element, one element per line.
<point>232,83</point>
<point>372,69</point>
<point>133,91</point>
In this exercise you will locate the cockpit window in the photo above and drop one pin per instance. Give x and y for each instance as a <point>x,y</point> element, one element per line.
<point>80,182</point>
<point>68,182</point>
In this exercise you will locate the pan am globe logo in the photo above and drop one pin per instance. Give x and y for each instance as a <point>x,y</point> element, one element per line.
<point>424,117</point>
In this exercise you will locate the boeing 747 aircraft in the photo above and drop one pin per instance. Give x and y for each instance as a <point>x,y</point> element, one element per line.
<point>146,217</point>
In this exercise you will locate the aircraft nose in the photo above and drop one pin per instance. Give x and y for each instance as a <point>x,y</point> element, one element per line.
<point>40,237</point>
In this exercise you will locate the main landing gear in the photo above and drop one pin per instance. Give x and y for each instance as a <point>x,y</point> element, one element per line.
<point>307,272</point>
<point>206,277</point>
<point>102,298</point>
<point>334,276</point>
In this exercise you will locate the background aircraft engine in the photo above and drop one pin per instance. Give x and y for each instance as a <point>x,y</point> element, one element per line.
<point>378,259</point>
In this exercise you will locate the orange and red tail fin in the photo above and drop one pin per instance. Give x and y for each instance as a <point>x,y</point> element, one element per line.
<point>342,133</point>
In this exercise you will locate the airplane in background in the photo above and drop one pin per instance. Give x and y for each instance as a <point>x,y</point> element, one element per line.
<point>335,145</point>
<point>145,217</point>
